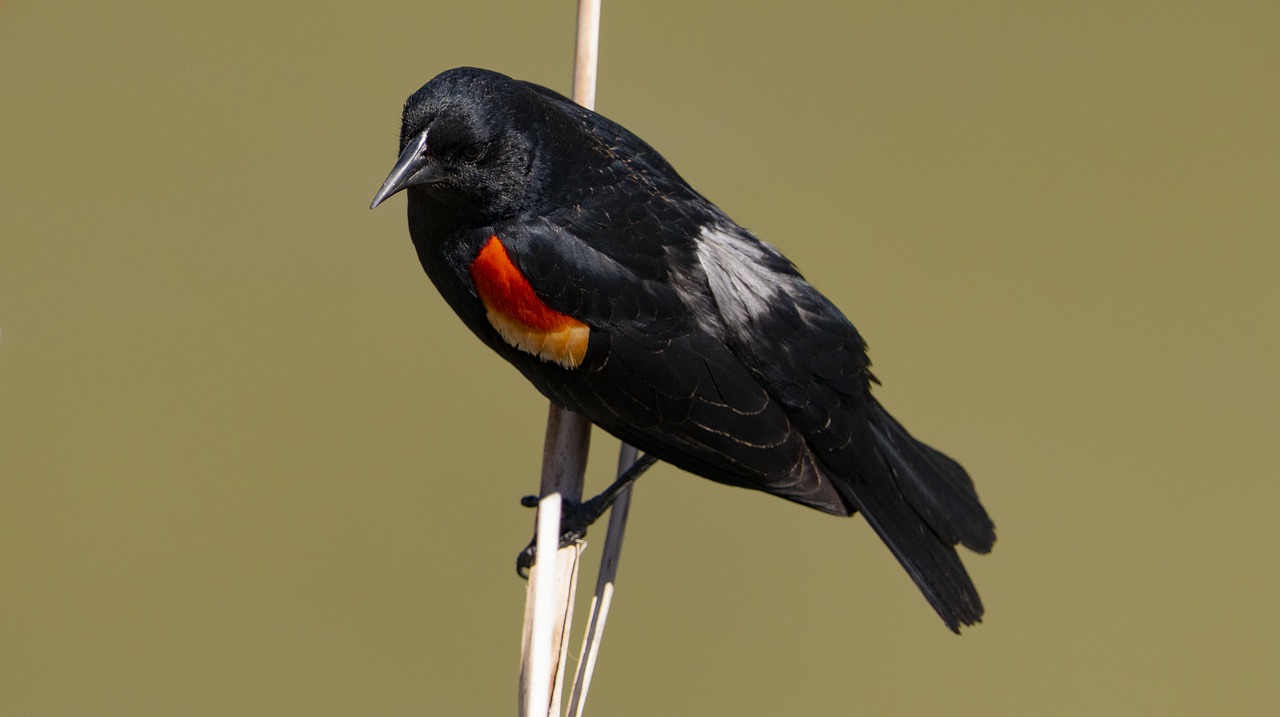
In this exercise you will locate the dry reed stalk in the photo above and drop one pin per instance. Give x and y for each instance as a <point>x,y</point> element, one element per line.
<point>603,597</point>
<point>549,600</point>
<point>549,596</point>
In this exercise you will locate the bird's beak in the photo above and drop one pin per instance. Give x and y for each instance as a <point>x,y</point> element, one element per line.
<point>413,167</point>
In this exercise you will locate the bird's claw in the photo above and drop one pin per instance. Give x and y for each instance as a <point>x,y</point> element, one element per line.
<point>575,518</point>
<point>529,556</point>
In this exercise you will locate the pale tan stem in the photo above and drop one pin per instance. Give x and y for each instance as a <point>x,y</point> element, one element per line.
<point>549,600</point>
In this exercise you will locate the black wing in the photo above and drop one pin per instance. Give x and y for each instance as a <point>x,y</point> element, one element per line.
<point>654,375</point>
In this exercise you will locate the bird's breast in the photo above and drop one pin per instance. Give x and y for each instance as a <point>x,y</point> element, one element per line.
<point>519,316</point>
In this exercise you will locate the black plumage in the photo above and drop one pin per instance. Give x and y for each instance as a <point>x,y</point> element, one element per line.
<point>706,347</point>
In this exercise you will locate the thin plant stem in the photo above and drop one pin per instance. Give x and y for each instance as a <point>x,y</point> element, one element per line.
<point>549,599</point>
<point>603,597</point>
<point>586,53</point>
<point>549,596</point>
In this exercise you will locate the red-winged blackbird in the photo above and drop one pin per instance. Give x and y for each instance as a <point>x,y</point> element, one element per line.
<point>574,250</point>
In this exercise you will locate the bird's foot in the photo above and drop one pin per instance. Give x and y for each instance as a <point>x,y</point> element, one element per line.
<point>575,518</point>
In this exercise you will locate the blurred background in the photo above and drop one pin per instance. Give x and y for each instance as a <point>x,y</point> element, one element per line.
<point>250,464</point>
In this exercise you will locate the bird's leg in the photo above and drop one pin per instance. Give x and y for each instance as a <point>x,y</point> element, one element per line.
<point>577,517</point>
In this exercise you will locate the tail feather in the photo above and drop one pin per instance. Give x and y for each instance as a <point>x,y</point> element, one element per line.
<point>935,485</point>
<point>921,504</point>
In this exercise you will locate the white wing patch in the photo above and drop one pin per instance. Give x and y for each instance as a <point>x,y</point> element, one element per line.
<point>743,283</point>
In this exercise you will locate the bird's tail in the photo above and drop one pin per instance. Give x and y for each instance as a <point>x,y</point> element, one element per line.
<point>922,504</point>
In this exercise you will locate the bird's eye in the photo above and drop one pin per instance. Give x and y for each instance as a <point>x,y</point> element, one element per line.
<point>472,152</point>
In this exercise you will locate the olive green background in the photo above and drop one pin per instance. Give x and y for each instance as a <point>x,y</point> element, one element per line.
<point>250,464</point>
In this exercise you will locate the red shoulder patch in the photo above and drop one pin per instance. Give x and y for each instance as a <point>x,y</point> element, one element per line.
<point>520,317</point>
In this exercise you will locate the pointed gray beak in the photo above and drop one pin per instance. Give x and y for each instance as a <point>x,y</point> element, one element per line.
<point>413,167</point>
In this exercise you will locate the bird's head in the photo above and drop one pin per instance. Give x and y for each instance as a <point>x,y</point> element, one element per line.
<point>469,144</point>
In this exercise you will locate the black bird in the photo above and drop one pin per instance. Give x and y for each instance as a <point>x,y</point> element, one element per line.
<point>574,250</point>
